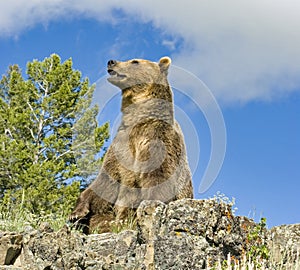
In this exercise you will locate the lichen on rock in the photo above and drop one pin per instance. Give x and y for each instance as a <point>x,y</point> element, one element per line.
<point>184,234</point>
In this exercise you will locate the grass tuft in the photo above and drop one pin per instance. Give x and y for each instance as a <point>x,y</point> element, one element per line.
<point>18,219</point>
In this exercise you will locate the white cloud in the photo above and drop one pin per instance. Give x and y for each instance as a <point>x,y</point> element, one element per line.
<point>243,50</point>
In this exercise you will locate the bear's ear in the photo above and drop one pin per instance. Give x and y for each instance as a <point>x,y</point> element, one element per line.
<point>164,64</point>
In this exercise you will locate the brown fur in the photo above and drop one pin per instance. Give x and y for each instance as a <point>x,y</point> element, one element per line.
<point>147,158</point>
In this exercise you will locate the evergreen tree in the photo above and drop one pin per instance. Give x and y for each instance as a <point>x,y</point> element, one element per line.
<point>49,137</point>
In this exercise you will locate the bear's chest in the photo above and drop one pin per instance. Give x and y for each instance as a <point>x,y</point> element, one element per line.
<point>143,140</point>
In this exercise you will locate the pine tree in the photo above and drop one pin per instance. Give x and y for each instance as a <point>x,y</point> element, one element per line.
<point>50,142</point>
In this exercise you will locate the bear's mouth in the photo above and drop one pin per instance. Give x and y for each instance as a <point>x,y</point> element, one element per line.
<point>114,74</point>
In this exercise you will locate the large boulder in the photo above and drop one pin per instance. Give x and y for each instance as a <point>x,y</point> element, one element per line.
<point>284,245</point>
<point>190,234</point>
<point>185,234</point>
<point>10,247</point>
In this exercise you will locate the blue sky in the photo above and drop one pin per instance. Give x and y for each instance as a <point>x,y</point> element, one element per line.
<point>247,54</point>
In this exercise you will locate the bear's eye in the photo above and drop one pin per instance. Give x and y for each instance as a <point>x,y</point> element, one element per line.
<point>134,62</point>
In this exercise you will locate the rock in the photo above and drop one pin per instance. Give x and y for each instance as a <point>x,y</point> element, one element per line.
<point>284,244</point>
<point>9,267</point>
<point>198,232</point>
<point>185,234</point>
<point>112,250</point>
<point>72,250</point>
<point>10,247</point>
<point>45,250</point>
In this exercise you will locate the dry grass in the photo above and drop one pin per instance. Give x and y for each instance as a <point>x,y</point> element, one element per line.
<point>288,263</point>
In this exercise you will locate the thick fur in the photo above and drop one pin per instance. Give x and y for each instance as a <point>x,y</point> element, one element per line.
<point>147,158</point>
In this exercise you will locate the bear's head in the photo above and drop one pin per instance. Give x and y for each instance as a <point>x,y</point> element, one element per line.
<point>141,81</point>
<point>138,72</point>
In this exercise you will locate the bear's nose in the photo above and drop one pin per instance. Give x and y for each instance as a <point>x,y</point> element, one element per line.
<point>111,63</point>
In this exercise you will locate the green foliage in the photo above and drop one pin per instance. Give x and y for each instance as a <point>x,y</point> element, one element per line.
<point>17,218</point>
<point>259,250</point>
<point>49,137</point>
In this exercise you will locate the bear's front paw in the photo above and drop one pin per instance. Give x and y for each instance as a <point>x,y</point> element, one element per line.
<point>80,212</point>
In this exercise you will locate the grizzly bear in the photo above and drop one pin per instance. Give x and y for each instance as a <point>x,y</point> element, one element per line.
<point>147,158</point>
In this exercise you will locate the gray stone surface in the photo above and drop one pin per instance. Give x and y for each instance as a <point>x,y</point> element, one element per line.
<point>284,244</point>
<point>10,247</point>
<point>185,234</point>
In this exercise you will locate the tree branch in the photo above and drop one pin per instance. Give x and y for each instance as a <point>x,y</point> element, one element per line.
<point>35,116</point>
<point>31,132</point>
<point>61,155</point>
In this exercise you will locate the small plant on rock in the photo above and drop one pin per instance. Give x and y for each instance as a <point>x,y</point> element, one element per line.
<point>257,237</point>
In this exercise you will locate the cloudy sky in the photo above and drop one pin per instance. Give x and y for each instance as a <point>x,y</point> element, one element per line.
<point>247,54</point>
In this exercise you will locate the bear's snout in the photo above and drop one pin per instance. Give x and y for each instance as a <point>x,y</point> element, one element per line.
<point>111,63</point>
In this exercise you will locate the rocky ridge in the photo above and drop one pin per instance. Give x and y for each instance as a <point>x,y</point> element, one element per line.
<point>185,234</point>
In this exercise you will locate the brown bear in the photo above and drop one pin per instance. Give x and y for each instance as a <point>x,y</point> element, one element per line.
<point>147,158</point>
